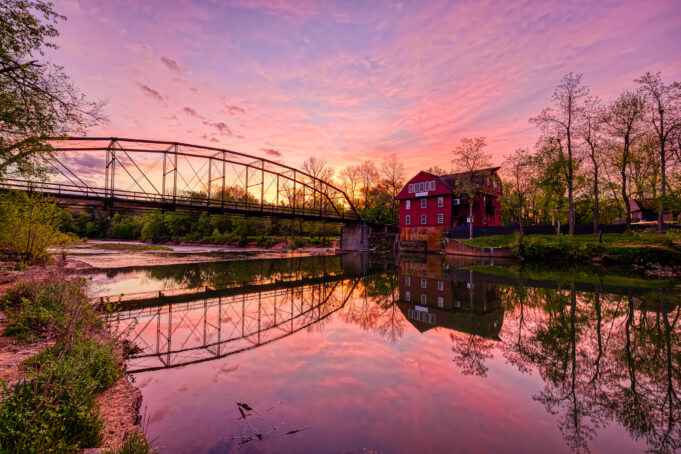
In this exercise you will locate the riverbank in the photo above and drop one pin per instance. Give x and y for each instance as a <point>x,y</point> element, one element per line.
<point>64,380</point>
<point>638,248</point>
<point>102,254</point>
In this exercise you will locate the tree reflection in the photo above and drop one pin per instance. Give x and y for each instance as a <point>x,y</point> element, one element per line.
<point>602,357</point>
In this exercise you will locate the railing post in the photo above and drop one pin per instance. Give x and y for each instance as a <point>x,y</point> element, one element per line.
<point>210,169</point>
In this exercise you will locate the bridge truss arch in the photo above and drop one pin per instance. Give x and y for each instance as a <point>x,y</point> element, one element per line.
<point>174,175</point>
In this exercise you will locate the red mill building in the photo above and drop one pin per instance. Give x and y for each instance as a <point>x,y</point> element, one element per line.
<point>430,204</point>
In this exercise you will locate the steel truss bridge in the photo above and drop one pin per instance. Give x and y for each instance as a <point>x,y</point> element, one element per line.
<point>178,334</point>
<point>138,173</point>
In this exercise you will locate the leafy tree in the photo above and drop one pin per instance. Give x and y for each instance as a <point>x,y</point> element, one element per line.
<point>623,124</point>
<point>664,113</point>
<point>37,99</point>
<point>559,121</point>
<point>519,167</point>
<point>30,224</point>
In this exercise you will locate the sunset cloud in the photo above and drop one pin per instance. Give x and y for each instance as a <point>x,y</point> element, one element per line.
<point>271,152</point>
<point>358,81</point>
<point>175,66</point>
<point>147,90</point>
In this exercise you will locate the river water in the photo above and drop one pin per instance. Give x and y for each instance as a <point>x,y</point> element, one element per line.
<point>357,353</point>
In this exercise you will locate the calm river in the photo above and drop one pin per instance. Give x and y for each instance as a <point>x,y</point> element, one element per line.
<point>355,353</point>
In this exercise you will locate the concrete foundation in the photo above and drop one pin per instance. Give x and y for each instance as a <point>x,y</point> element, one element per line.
<point>354,237</point>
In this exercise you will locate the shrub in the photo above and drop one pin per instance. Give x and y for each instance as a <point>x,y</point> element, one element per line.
<point>29,224</point>
<point>56,304</point>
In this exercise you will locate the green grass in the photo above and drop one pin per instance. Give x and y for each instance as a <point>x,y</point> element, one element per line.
<point>52,409</point>
<point>492,241</point>
<point>134,444</point>
<point>130,247</point>
<point>621,239</point>
<point>638,247</point>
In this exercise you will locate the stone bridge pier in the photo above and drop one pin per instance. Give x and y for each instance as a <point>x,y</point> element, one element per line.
<point>354,237</point>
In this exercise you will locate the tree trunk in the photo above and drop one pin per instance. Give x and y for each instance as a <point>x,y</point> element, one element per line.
<point>470,216</point>
<point>663,171</point>
<point>595,198</point>
<point>571,205</point>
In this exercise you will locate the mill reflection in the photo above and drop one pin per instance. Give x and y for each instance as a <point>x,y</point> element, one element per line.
<point>430,297</point>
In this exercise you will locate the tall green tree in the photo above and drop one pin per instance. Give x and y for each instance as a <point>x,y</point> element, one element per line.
<point>37,99</point>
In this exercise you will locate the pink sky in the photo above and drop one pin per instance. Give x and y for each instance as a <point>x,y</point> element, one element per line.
<point>351,81</point>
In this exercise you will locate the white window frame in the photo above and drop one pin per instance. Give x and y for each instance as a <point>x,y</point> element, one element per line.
<point>407,220</point>
<point>424,282</point>
<point>407,296</point>
<point>407,280</point>
<point>440,301</point>
<point>408,204</point>
<point>424,203</point>
<point>440,285</point>
<point>440,201</point>
<point>411,187</point>
<point>421,189</point>
<point>432,185</point>
<point>424,219</point>
<point>424,298</point>
<point>440,218</point>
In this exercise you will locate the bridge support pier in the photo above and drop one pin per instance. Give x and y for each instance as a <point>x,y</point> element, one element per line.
<point>354,237</point>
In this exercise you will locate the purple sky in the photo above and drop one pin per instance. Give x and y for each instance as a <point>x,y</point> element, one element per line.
<point>354,80</point>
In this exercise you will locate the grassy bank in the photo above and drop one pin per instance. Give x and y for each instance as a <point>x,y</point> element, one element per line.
<point>635,248</point>
<point>52,409</point>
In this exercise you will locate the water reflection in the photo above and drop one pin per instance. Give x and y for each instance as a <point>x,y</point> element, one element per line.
<point>602,361</point>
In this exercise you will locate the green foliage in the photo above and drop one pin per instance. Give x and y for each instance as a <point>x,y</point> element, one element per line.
<point>153,228</point>
<point>29,224</point>
<point>37,99</point>
<point>56,305</point>
<point>126,228</point>
<point>134,444</point>
<point>53,409</point>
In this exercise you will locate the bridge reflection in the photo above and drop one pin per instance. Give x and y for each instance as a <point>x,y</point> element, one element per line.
<point>177,334</point>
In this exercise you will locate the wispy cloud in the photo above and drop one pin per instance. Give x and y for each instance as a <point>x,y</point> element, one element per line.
<point>175,66</point>
<point>147,90</point>
<point>271,151</point>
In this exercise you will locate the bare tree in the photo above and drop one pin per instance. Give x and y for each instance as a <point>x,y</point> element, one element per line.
<point>368,174</point>
<point>623,123</point>
<point>350,181</point>
<point>664,112</point>
<point>470,156</point>
<point>392,171</point>
<point>590,129</point>
<point>518,165</point>
<point>319,170</point>
<point>560,120</point>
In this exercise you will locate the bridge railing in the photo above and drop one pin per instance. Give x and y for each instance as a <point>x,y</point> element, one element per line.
<point>168,201</point>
